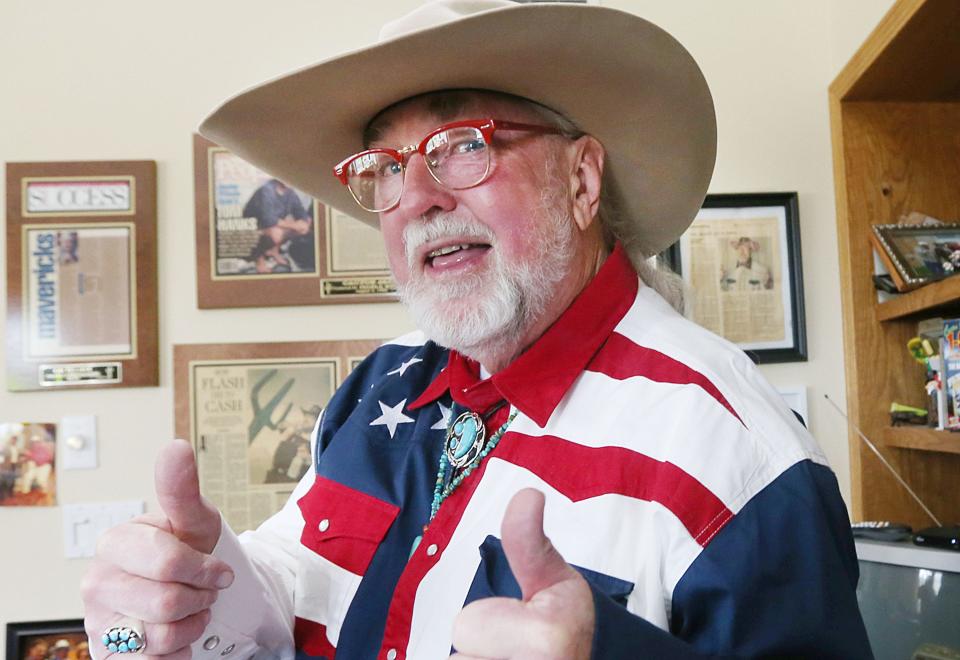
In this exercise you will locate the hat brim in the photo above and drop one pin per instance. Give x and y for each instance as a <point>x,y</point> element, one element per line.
<point>617,76</point>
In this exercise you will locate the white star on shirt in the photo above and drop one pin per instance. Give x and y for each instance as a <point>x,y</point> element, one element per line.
<point>444,418</point>
<point>391,417</point>
<point>404,366</point>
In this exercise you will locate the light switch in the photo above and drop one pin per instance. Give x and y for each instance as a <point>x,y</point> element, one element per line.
<point>78,442</point>
<point>84,523</point>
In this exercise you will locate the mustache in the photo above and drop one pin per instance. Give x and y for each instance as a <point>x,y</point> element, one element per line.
<point>441,226</point>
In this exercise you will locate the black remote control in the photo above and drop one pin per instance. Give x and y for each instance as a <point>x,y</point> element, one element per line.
<point>881,530</point>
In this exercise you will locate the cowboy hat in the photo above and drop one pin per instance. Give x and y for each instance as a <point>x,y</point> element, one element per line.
<point>618,77</point>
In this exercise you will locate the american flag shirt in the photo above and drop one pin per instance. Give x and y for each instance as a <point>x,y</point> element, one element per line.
<point>700,511</point>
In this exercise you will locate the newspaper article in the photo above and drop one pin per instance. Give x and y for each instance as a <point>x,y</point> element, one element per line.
<point>251,423</point>
<point>356,259</point>
<point>736,260</point>
<point>354,246</point>
<point>259,225</point>
<point>78,290</point>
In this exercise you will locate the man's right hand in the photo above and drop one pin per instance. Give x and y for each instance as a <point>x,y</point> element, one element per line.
<point>157,568</point>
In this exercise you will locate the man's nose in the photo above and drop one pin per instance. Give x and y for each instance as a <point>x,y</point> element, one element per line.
<point>421,192</point>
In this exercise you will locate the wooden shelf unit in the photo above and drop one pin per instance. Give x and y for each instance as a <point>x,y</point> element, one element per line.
<point>895,126</point>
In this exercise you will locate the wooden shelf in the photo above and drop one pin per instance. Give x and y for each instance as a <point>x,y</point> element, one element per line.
<point>921,438</point>
<point>911,56</point>
<point>925,299</point>
<point>894,118</point>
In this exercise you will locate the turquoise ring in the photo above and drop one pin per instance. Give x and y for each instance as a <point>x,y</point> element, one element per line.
<point>123,639</point>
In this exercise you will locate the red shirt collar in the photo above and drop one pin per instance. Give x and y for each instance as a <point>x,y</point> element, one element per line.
<point>536,381</point>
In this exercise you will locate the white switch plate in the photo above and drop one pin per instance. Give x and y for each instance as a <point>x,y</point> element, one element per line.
<point>78,442</point>
<point>84,523</point>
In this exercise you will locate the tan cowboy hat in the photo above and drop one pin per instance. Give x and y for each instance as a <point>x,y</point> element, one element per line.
<point>618,77</point>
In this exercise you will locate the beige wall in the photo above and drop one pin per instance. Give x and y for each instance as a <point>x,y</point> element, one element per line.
<point>128,80</point>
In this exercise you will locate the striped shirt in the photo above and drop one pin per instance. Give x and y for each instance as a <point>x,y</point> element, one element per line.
<point>699,510</point>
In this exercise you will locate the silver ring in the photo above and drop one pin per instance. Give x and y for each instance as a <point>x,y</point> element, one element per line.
<point>123,639</point>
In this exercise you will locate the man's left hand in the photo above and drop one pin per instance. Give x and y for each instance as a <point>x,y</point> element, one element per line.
<point>554,620</point>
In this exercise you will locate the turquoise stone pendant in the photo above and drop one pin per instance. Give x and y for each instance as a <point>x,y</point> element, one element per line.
<point>465,439</point>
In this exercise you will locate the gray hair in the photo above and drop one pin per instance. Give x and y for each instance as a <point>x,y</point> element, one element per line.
<point>616,226</point>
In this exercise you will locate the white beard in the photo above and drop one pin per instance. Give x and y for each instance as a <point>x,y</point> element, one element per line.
<point>478,313</point>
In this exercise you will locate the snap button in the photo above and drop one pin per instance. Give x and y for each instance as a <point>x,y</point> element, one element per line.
<point>211,642</point>
<point>324,525</point>
<point>392,654</point>
<point>228,650</point>
<point>432,549</point>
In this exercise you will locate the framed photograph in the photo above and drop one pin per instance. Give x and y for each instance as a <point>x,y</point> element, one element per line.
<point>918,254</point>
<point>249,410</point>
<point>262,243</point>
<point>28,475</point>
<point>47,640</point>
<point>81,275</point>
<point>741,259</point>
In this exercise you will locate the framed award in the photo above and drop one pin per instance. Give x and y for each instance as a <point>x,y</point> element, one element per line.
<point>81,275</point>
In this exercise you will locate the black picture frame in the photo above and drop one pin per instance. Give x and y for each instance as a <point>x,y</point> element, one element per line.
<point>24,634</point>
<point>728,221</point>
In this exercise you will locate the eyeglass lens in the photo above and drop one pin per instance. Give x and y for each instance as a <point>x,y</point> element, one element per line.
<point>456,157</point>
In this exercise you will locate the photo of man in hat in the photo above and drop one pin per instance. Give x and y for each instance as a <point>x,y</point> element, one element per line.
<point>557,464</point>
<point>747,273</point>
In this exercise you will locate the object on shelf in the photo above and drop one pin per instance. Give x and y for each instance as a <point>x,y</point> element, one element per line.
<point>930,328</point>
<point>945,536</point>
<point>950,371</point>
<point>916,255</point>
<point>919,219</point>
<point>901,414</point>
<point>885,283</point>
<point>881,530</point>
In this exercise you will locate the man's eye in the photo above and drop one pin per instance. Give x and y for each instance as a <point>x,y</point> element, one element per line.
<point>390,169</point>
<point>469,146</point>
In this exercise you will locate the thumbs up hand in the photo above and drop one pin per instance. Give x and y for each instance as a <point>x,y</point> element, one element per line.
<point>555,618</point>
<point>157,569</point>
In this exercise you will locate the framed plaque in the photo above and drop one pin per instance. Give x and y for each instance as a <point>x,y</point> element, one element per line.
<point>249,410</point>
<point>741,258</point>
<point>81,275</point>
<point>262,243</point>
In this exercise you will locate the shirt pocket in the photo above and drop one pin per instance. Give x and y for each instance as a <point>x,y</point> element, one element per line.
<point>344,525</point>
<point>494,577</point>
<point>342,529</point>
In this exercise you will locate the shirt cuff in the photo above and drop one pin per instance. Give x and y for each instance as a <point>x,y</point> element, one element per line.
<point>237,604</point>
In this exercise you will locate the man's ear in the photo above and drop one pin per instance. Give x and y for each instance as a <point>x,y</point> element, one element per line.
<point>585,179</point>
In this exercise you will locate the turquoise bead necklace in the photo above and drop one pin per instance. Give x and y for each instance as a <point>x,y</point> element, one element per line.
<point>463,451</point>
<point>441,492</point>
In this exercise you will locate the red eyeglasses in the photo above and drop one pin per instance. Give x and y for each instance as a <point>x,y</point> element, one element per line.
<point>457,156</point>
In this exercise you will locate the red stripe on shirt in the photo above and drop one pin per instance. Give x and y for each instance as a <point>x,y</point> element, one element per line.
<point>581,472</point>
<point>621,358</point>
<point>400,615</point>
<point>311,638</point>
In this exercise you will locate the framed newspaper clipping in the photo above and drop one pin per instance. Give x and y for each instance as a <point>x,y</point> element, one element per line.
<point>741,258</point>
<point>81,275</point>
<point>249,410</point>
<point>262,243</point>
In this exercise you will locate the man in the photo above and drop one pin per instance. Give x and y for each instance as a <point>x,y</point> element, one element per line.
<point>688,513</point>
<point>280,217</point>
<point>747,274</point>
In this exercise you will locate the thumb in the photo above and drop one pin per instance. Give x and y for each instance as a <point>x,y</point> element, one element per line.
<point>534,561</point>
<point>192,519</point>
